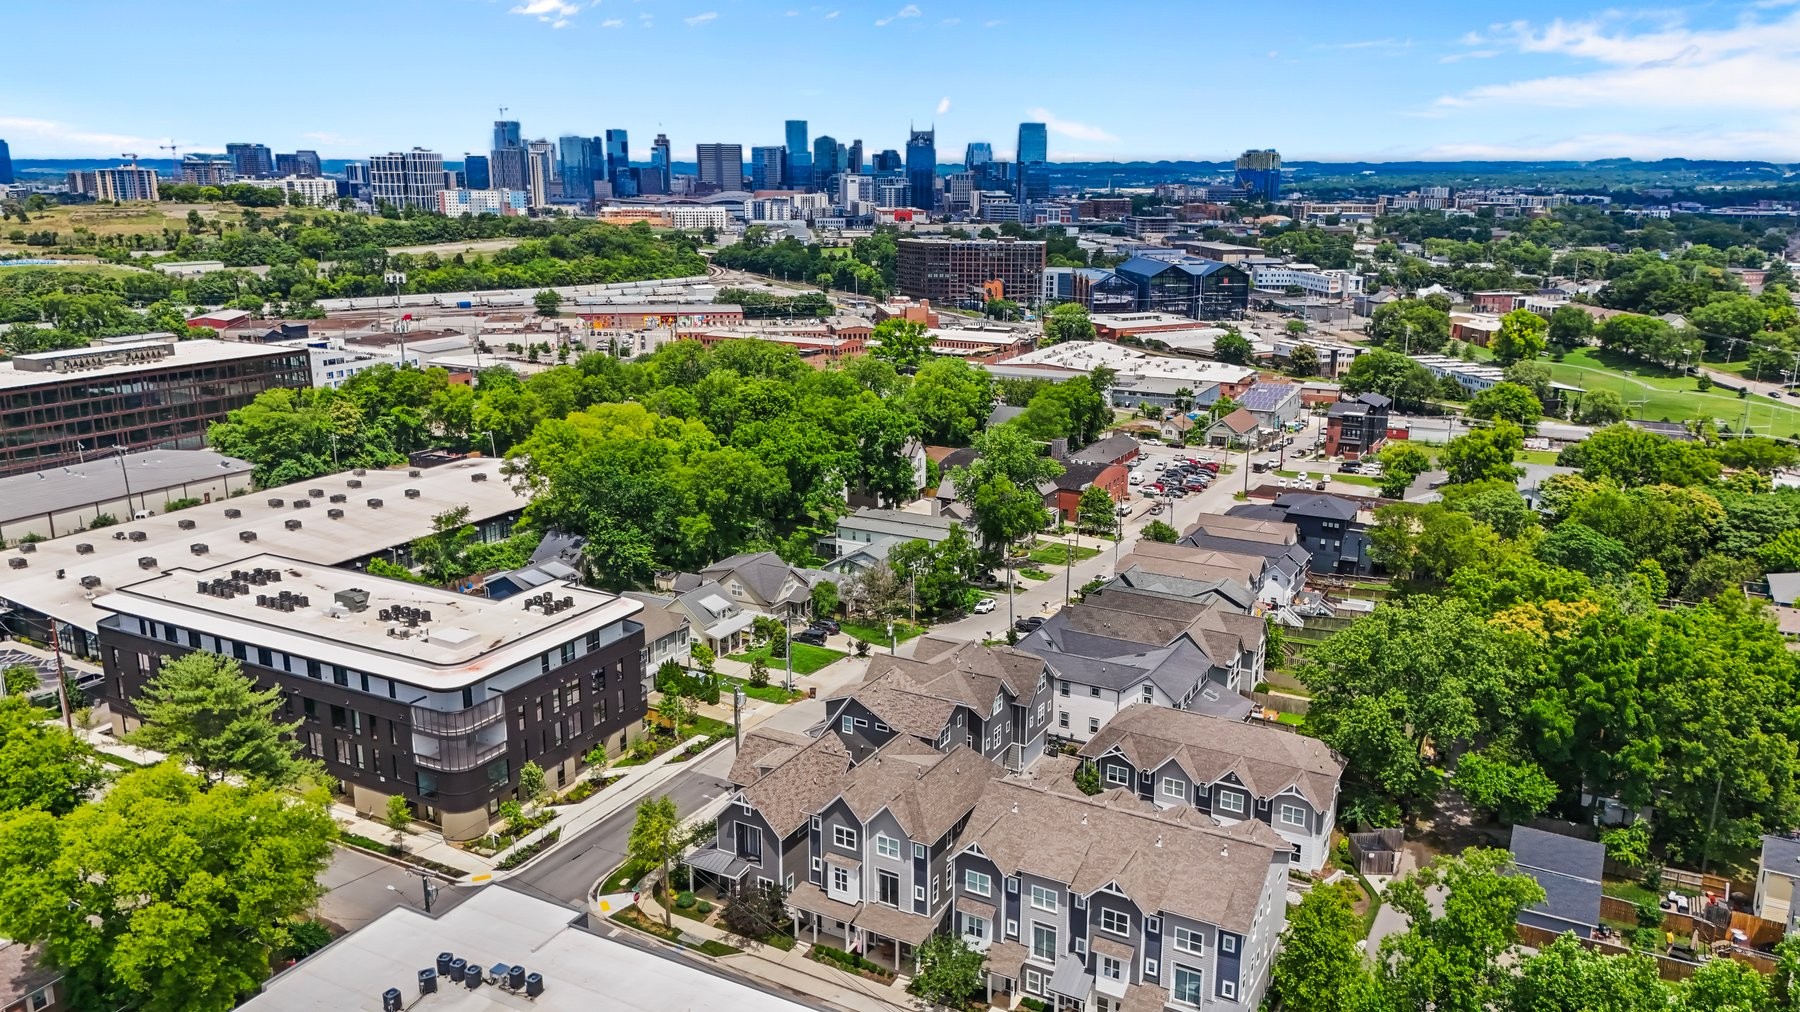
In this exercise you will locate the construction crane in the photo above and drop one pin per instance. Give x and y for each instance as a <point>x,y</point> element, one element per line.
<point>131,155</point>
<point>173,149</point>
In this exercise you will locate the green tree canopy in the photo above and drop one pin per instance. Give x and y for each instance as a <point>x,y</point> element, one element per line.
<point>1511,402</point>
<point>1522,337</point>
<point>204,709</point>
<point>42,766</point>
<point>1067,322</point>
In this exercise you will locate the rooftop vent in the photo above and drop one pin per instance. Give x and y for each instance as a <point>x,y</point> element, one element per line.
<point>137,536</point>
<point>359,472</point>
<point>186,525</point>
<point>199,548</point>
<point>27,547</point>
<point>84,549</point>
<point>414,473</point>
<point>353,483</point>
<point>339,497</point>
<point>233,513</point>
<point>16,562</point>
<point>315,492</point>
<point>90,582</point>
<point>478,476</point>
<point>374,504</point>
<point>301,504</point>
<point>412,493</point>
<point>293,525</point>
<point>355,599</point>
<point>277,502</point>
<point>246,535</point>
<point>335,514</point>
<point>146,562</point>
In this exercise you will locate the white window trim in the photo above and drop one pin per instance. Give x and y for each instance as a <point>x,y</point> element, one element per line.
<point>1290,807</point>
<point>1153,925</point>
<point>847,724</point>
<point>1228,988</point>
<point>1226,799</point>
<point>1195,941</point>
<point>969,877</point>
<point>843,836</point>
<point>1150,967</point>
<point>1180,788</point>
<point>884,841</point>
<point>1048,906</point>
<point>1124,777</point>
<point>1125,920</point>
<point>1174,973</point>
<point>1228,944</point>
<point>918,850</point>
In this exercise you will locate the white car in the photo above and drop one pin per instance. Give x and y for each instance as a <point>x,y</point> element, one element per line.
<point>1136,479</point>
<point>985,605</point>
<point>1162,465</point>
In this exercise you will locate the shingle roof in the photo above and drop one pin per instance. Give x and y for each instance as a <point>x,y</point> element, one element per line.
<point>1239,421</point>
<point>763,572</point>
<point>1267,760</point>
<point>927,791</point>
<point>1317,504</point>
<point>1107,450</point>
<point>1568,868</point>
<point>918,694</point>
<point>787,788</point>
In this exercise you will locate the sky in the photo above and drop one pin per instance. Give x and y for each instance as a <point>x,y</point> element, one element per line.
<point>1401,80</point>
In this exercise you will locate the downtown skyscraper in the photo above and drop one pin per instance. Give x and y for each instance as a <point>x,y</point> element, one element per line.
<point>921,168</point>
<point>1033,162</point>
<point>797,171</point>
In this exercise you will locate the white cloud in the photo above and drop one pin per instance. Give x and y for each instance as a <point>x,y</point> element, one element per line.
<point>1069,128</point>
<point>995,23</point>
<point>612,23</point>
<point>909,11</point>
<point>1368,44</point>
<point>790,14</point>
<point>943,105</point>
<point>56,139</point>
<point>1772,144</point>
<point>555,13</point>
<point>1650,64</point>
<point>1473,54</point>
<point>832,16</point>
<point>700,19</point>
<point>947,22</point>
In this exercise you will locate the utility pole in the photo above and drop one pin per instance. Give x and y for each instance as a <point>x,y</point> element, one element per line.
<point>787,632</point>
<point>737,715</point>
<point>1069,572</point>
<point>62,680</point>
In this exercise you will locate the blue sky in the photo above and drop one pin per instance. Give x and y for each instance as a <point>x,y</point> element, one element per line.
<point>1399,80</point>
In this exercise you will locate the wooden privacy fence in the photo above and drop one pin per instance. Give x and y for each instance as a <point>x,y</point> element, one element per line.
<point>1376,852</point>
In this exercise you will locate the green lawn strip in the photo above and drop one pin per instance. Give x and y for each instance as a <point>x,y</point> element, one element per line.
<point>1034,574</point>
<point>1049,553</point>
<point>770,693</point>
<point>807,658</point>
<point>1655,393</point>
<point>903,631</point>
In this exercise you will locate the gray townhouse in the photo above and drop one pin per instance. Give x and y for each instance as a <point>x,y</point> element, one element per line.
<point>995,700</point>
<point>1184,644</point>
<point>761,582</point>
<point>1282,558</point>
<point>1108,903</point>
<point>1230,770</point>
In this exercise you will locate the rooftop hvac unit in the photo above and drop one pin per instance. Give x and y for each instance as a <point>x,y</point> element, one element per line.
<point>374,504</point>
<point>186,525</point>
<point>355,599</point>
<point>146,562</point>
<point>84,549</point>
<point>315,492</point>
<point>478,476</point>
<point>391,1000</point>
<point>414,473</point>
<point>199,548</point>
<point>472,977</point>
<point>534,985</point>
<point>246,535</point>
<point>335,514</point>
<point>359,472</point>
<point>443,964</point>
<point>277,503</point>
<point>27,547</point>
<point>233,513</point>
<point>459,967</point>
<point>515,977</point>
<point>293,525</point>
<point>412,493</point>
<point>17,563</point>
<point>137,536</point>
<point>353,483</point>
<point>301,504</point>
<point>90,582</point>
<point>339,497</point>
<point>427,981</point>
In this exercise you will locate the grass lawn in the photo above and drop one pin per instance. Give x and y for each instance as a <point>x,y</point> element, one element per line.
<point>130,219</point>
<point>770,693</point>
<point>1034,574</point>
<point>1357,479</point>
<point>1291,719</point>
<point>1537,456</point>
<point>1656,394</point>
<point>1050,553</point>
<point>807,658</point>
<point>903,631</point>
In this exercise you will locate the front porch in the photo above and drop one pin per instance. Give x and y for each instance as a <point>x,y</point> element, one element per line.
<point>885,936</point>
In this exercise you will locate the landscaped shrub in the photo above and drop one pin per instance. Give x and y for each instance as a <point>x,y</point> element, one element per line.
<point>684,901</point>
<point>703,907</point>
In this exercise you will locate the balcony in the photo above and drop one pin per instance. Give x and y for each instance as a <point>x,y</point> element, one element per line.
<point>439,723</point>
<point>454,756</point>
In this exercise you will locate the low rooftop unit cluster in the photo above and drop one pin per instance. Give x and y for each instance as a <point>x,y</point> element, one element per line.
<point>455,971</point>
<point>286,601</point>
<point>239,582</point>
<point>549,602</point>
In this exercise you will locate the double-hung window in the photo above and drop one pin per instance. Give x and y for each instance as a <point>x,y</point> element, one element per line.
<point>1293,815</point>
<point>1117,922</point>
<point>1117,774</point>
<point>1229,801</point>
<point>844,837</point>
<point>1189,941</point>
<point>887,846</point>
<point>977,883</point>
<point>1043,898</point>
<point>1174,787</point>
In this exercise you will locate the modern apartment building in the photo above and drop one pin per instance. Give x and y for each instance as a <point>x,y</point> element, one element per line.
<point>204,170</point>
<point>251,161</point>
<point>301,164</point>
<point>467,203</point>
<point>402,690</point>
<point>127,182</point>
<point>151,392</point>
<point>961,272</point>
<point>1187,286</point>
<point>1259,171</point>
<point>406,178</point>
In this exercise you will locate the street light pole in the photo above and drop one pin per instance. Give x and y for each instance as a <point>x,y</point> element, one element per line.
<point>491,446</point>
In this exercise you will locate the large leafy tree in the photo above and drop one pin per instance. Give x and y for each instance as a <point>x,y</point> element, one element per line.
<point>1067,322</point>
<point>1392,374</point>
<point>656,837</point>
<point>902,342</point>
<point>1565,976</point>
<point>951,973</point>
<point>1424,672</point>
<point>163,896</point>
<point>951,399</point>
<point>1401,463</point>
<point>1511,402</point>
<point>42,766</point>
<point>1484,454</point>
<point>1521,337</point>
<point>1320,967</point>
<point>204,709</point>
<point>1450,955</point>
<point>1000,485</point>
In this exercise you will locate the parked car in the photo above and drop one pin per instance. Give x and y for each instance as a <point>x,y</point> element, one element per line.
<point>812,634</point>
<point>985,605</point>
<point>1350,467</point>
<point>1156,509</point>
<point>1027,625</point>
<point>829,625</point>
<point>1136,479</point>
<point>1123,509</point>
<point>1161,465</point>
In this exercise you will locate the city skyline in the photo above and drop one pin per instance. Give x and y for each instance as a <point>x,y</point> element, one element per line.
<point>1429,83</point>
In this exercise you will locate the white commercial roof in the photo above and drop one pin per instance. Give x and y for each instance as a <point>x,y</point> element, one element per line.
<point>113,556</point>
<point>582,972</point>
<point>184,353</point>
<point>454,640</point>
<point>103,479</point>
<point>1086,356</point>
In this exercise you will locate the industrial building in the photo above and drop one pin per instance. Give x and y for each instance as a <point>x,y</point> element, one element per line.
<point>1187,286</point>
<point>62,500</point>
<point>147,391</point>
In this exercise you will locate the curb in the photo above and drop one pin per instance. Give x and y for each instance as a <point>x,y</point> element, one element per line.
<point>404,863</point>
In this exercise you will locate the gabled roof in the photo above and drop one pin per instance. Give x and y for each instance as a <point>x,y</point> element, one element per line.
<point>1107,450</point>
<point>918,694</point>
<point>1268,396</point>
<point>1079,474</point>
<point>1266,760</point>
<point>1317,504</point>
<point>1568,868</point>
<point>764,573</point>
<point>927,791</point>
<point>1240,421</point>
<point>788,782</point>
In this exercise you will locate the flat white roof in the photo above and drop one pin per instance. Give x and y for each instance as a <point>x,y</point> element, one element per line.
<point>103,479</point>
<point>1086,356</point>
<point>464,638</point>
<point>204,351</point>
<point>583,972</point>
<point>362,530</point>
